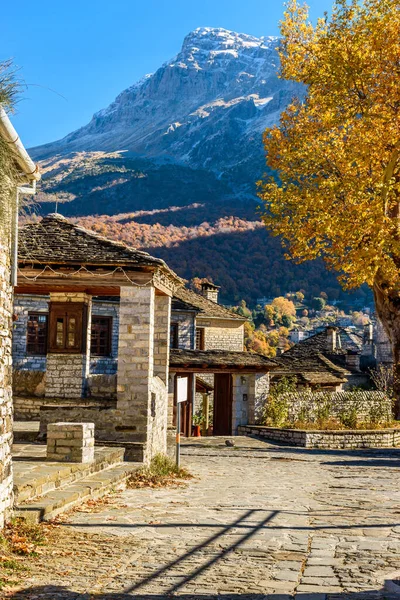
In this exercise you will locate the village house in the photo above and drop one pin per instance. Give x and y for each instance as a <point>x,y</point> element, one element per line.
<point>94,341</point>
<point>11,186</point>
<point>334,359</point>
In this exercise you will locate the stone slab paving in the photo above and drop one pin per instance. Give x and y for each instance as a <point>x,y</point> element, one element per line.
<point>260,521</point>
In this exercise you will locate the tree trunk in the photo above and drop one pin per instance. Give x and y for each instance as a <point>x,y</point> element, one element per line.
<point>387,304</point>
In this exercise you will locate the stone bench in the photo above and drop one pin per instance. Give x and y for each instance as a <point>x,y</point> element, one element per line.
<point>70,442</point>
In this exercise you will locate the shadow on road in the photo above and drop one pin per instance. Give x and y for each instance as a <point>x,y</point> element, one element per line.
<point>62,593</point>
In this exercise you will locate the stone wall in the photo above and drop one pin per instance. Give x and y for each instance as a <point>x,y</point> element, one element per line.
<point>240,400</point>
<point>6,478</point>
<point>307,405</point>
<point>384,353</point>
<point>337,440</point>
<point>186,328</point>
<point>101,386</point>
<point>222,334</point>
<point>29,383</point>
<point>107,365</point>
<point>65,375</point>
<point>142,394</point>
<point>261,391</point>
<point>23,305</point>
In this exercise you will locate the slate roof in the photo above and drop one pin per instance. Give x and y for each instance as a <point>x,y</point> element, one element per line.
<point>185,299</point>
<point>219,360</point>
<point>314,362</point>
<point>55,240</point>
<point>346,340</point>
<point>314,369</point>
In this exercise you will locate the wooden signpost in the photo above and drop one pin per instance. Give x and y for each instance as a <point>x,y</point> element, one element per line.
<point>181,396</point>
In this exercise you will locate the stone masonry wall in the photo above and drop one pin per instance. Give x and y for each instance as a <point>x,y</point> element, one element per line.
<point>337,440</point>
<point>222,334</point>
<point>6,478</point>
<point>65,375</point>
<point>106,365</point>
<point>384,353</point>
<point>186,328</point>
<point>23,305</point>
<point>306,404</point>
<point>142,394</point>
<point>240,400</point>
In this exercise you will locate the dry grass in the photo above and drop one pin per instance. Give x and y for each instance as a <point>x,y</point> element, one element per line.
<point>162,472</point>
<point>19,540</point>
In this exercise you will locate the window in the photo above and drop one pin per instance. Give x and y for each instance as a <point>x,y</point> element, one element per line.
<point>174,335</point>
<point>100,344</point>
<point>36,339</point>
<point>199,338</point>
<point>66,326</point>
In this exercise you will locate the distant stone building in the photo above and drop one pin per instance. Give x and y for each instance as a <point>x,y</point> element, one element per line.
<point>16,170</point>
<point>329,360</point>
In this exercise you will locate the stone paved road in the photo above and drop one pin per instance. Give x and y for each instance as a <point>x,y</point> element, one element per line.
<point>259,522</point>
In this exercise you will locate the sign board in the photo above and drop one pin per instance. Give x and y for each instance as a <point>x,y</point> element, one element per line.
<point>182,385</point>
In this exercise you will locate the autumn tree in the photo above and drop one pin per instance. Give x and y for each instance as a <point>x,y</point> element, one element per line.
<point>337,151</point>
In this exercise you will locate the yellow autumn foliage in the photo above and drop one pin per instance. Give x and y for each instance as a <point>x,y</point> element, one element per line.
<point>337,151</point>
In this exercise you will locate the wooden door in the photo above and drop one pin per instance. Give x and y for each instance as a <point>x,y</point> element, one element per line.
<point>222,421</point>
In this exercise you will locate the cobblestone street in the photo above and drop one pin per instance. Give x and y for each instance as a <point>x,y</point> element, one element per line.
<point>258,521</point>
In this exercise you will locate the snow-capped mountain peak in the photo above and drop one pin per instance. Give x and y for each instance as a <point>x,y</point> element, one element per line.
<point>207,107</point>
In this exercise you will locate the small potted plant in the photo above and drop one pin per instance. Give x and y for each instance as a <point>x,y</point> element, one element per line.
<point>197,422</point>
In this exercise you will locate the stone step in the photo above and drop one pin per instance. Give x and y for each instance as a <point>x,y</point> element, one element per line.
<point>35,476</point>
<point>55,502</point>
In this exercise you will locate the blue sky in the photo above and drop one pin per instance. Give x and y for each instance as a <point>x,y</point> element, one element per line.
<point>75,56</point>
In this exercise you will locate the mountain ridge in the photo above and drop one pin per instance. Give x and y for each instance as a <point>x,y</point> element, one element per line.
<point>205,108</point>
<point>170,166</point>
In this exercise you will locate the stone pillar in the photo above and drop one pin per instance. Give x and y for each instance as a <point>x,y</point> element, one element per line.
<point>6,478</point>
<point>241,386</point>
<point>70,442</point>
<point>162,322</point>
<point>135,364</point>
<point>67,372</point>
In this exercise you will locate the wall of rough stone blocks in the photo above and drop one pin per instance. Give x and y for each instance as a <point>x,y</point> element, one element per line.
<point>6,478</point>
<point>65,375</point>
<point>240,400</point>
<point>107,365</point>
<point>222,334</point>
<point>186,328</point>
<point>339,403</point>
<point>335,440</point>
<point>23,305</point>
<point>261,391</point>
<point>384,353</point>
<point>142,394</point>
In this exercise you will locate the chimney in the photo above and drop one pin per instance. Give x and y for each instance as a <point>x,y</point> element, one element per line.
<point>210,291</point>
<point>331,339</point>
<point>368,333</point>
<point>353,360</point>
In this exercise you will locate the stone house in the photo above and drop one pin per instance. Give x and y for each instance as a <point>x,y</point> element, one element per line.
<point>94,339</point>
<point>21,177</point>
<point>331,360</point>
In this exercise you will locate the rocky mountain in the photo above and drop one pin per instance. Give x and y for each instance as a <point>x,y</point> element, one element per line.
<point>206,108</point>
<point>171,166</point>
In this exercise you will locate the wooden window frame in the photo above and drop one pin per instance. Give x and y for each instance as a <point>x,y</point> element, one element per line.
<point>201,332</point>
<point>36,343</point>
<point>67,311</point>
<point>174,335</point>
<point>108,346</point>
